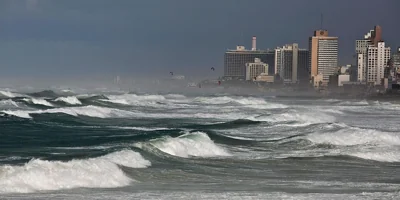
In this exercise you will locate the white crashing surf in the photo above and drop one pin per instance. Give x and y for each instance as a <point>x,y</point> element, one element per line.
<point>8,103</point>
<point>293,116</point>
<point>381,156</point>
<point>133,99</point>
<point>72,100</point>
<point>139,128</point>
<point>355,136</point>
<point>196,144</point>
<point>41,175</point>
<point>37,101</point>
<point>9,94</point>
<point>366,144</point>
<point>90,111</point>
<point>249,102</point>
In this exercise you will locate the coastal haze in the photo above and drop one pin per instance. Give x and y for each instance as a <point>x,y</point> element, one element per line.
<point>127,100</point>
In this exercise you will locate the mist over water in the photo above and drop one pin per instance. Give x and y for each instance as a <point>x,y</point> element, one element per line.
<point>115,142</point>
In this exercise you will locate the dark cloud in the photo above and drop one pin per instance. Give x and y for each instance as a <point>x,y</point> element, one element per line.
<point>156,36</point>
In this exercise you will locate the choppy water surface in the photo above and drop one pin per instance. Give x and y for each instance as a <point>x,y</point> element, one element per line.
<point>172,146</point>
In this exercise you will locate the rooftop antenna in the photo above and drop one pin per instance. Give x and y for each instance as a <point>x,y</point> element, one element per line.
<point>242,39</point>
<point>322,20</point>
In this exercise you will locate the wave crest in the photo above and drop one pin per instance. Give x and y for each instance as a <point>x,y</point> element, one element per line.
<point>196,144</point>
<point>90,111</point>
<point>37,101</point>
<point>354,136</point>
<point>101,172</point>
<point>71,100</point>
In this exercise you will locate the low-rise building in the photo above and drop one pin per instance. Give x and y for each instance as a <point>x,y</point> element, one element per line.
<point>343,78</point>
<point>255,69</point>
<point>264,77</point>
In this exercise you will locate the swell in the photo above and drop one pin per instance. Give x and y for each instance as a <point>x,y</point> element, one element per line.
<point>226,125</point>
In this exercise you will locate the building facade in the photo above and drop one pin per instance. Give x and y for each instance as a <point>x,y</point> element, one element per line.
<point>291,63</point>
<point>255,68</point>
<point>377,59</point>
<point>373,37</point>
<point>235,60</point>
<point>395,61</point>
<point>323,56</point>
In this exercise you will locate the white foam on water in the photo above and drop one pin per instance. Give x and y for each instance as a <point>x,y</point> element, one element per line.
<point>18,113</point>
<point>38,102</point>
<point>175,96</point>
<point>355,136</point>
<point>72,100</point>
<point>196,144</point>
<point>355,103</point>
<point>90,111</point>
<point>246,101</point>
<point>9,94</point>
<point>41,175</point>
<point>139,128</point>
<point>224,116</point>
<point>334,111</point>
<point>381,156</point>
<point>137,100</point>
<point>290,116</point>
<point>8,102</point>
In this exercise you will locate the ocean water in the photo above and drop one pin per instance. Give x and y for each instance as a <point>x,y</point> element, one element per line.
<point>120,145</point>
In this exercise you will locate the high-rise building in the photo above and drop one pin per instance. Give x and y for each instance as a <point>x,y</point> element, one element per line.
<point>235,60</point>
<point>395,61</point>
<point>395,65</point>
<point>377,59</point>
<point>323,56</point>
<point>291,63</point>
<point>255,68</point>
<point>371,38</point>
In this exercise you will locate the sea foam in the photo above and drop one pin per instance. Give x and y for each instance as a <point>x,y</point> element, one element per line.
<point>196,144</point>
<point>37,101</point>
<point>90,111</point>
<point>72,100</point>
<point>40,175</point>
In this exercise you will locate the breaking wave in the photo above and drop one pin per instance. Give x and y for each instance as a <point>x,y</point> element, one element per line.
<point>250,102</point>
<point>196,144</point>
<point>37,101</point>
<point>294,116</point>
<point>9,94</point>
<point>71,100</point>
<point>8,102</point>
<point>380,156</point>
<point>42,175</point>
<point>90,111</point>
<point>355,136</point>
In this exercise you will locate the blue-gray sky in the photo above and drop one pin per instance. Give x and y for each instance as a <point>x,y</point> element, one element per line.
<point>83,37</point>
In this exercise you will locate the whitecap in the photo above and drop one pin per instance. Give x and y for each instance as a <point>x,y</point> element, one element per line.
<point>42,175</point>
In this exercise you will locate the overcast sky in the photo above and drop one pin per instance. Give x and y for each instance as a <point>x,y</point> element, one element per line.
<point>130,37</point>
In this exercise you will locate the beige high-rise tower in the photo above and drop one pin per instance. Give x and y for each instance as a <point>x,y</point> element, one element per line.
<point>323,56</point>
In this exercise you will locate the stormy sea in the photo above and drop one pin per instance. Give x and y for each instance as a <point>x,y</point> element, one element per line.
<point>126,145</point>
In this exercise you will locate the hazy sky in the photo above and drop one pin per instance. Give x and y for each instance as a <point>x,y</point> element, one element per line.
<point>85,37</point>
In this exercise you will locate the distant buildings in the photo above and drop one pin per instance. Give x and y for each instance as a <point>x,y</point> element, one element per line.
<point>323,57</point>
<point>318,66</point>
<point>264,77</point>
<point>291,63</point>
<point>255,68</point>
<point>377,59</point>
<point>235,60</point>
<point>395,61</point>
<point>373,37</point>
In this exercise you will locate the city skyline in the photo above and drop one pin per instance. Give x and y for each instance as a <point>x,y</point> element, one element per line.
<point>155,37</point>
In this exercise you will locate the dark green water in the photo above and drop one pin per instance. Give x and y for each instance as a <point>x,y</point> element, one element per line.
<point>151,146</point>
